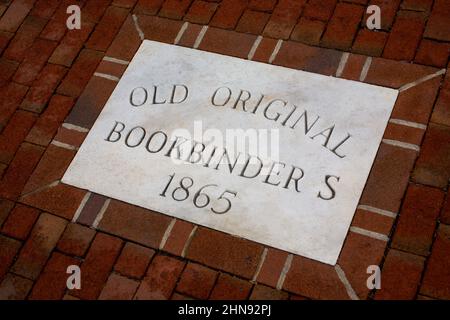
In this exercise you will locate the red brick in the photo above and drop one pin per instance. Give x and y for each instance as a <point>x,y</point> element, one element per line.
<point>284,18</point>
<point>313,279</point>
<point>126,43</point>
<point>134,223</point>
<point>76,240</point>
<point>124,3</point>
<point>44,8</point>
<point>93,10</point>
<point>230,288</point>
<point>319,9</point>
<point>201,12</point>
<point>438,26</point>
<point>134,260</point>
<point>20,170</point>
<point>433,53</point>
<point>24,38</point>
<point>37,249</point>
<point>97,265</point>
<point>272,266</point>
<point>20,221</point>
<point>5,37</point>
<point>308,31</point>
<point>252,22</point>
<point>8,68</point>
<point>159,29</point>
<point>262,5</point>
<point>161,279</point>
<point>400,276</point>
<point>404,133</point>
<point>357,254</point>
<point>13,134</point>
<point>388,9</point>
<point>437,275</point>
<point>445,214</point>
<point>415,227</point>
<point>373,221</point>
<point>43,87</point>
<point>61,200</point>
<point>14,287</point>
<point>369,42</point>
<point>227,42</point>
<point>107,29</point>
<point>225,252</point>
<point>50,169</point>
<point>51,284</point>
<point>69,136</point>
<point>5,208</point>
<point>12,94</point>
<point>261,292</point>
<point>405,36</point>
<point>71,45</point>
<point>433,166</point>
<point>16,13</point>
<point>353,67</point>
<point>80,73</point>
<point>394,74</point>
<point>228,14</point>
<point>300,56</point>
<point>264,50</point>
<point>388,178</point>
<point>180,297</point>
<point>91,209</point>
<point>149,7</point>
<point>56,27</point>
<point>178,237</point>
<point>174,9</point>
<point>34,61</point>
<point>196,281</point>
<point>91,102</point>
<point>111,68</point>
<point>8,250</point>
<point>417,5</point>
<point>343,26</point>
<point>46,126</point>
<point>118,288</point>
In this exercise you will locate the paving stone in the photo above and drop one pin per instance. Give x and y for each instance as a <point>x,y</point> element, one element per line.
<point>118,288</point>
<point>261,292</point>
<point>134,260</point>
<point>196,281</point>
<point>20,222</point>
<point>76,240</point>
<point>230,288</point>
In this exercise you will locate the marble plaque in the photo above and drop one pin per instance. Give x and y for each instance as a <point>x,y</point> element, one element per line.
<point>266,153</point>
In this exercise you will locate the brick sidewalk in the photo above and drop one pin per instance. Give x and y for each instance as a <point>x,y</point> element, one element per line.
<point>54,83</point>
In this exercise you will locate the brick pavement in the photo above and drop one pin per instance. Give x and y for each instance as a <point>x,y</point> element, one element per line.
<point>54,83</point>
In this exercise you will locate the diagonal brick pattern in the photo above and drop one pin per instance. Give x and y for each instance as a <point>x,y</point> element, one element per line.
<point>54,83</point>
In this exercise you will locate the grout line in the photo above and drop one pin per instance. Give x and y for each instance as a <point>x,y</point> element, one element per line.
<point>409,123</point>
<point>370,234</point>
<point>63,145</point>
<point>167,233</point>
<point>365,69</point>
<point>379,211</point>
<point>286,268</point>
<point>81,206</point>
<point>260,264</point>
<point>342,64</point>
<point>401,144</point>
<point>275,51</point>
<point>138,28</point>
<point>188,241</point>
<point>421,80</point>
<point>181,32</point>
<point>100,214</point>
<point>74,127</point>
<point>106,76</point>
<point>254,47</point>
<point>341,274</point>
<point>200,36</point>
<point>115,60</point>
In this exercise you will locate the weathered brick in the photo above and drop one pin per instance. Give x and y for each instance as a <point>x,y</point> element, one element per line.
<point>417,5</point>
<point>388,9</point>
<point>8,68</point>
<point>369,42</point>
<point>353,67</point>
<point>174,9</point>
<point>400,276</point>
<point>14,287</point>
<point>91,209</point>
<point>134,260</point>
<point>178,237</point>
<point>161,279</point>
<point>319,9</point>
<point>20,222</point>
<point>196,281</point>
<point>308,31</point>
<point>264,50</point>
<point>5,38</point>
<point>111,68</point>
<point>76,240</point>
<point>93,10</point>
<point>445,213</point>
<point>433,53</point>
<point>16,13</point>
<point>225,252</point>
<point>37,249</point>
<point>201,12</point>
<point>134,223</point>
<point>227,42</point>
<point>261,292</point>
<point>252,22</point>
<point>415,227</point>
<point>159,29</point>
<point>69,136</point>
<point>272,266</point>
<point>149,7</point>
<point>119,288</point>
<point>44,8</point>
<point>373,221</point>
<point>230,288</point>
<point>404,133</point>
<point>283,19</point>
<point>228,14</point>
<point>98,265</point>
<point>8,250</point>
<point>51,284</point>
<point>5,208</point>
<point>12,95</point>
<point>262,5</point>
<point>438,26</point>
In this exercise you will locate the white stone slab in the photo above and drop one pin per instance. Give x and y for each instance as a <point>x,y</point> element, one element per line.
<point>303,222</point>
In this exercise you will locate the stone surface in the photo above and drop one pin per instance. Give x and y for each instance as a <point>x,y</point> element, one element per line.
<point>304,142</point>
